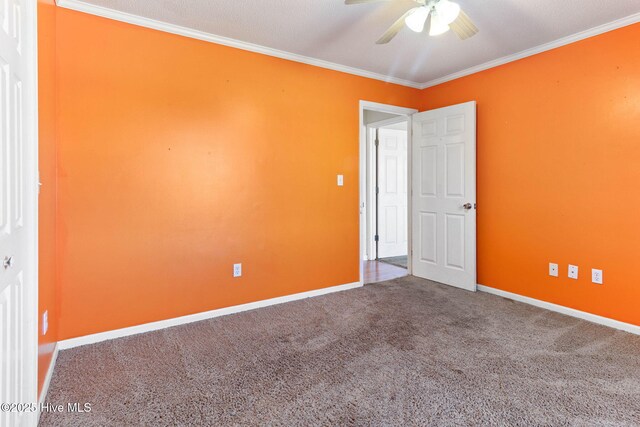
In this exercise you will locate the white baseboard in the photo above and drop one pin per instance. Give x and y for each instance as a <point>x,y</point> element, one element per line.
<point>627,327</point>
<point>47,379</point>
<point>162,324</point>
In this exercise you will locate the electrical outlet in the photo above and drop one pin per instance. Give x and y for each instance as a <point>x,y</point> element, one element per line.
<point>45,322</point>
<point>573,271</point>
<point>596,276</point>
<point>553,269</point>
<point>237,270</point>
<point>340,180</point>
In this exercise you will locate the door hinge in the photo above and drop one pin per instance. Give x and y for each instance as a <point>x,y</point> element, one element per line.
<point>377,190</point>
<point>377,142</point>
<point>376,238</point>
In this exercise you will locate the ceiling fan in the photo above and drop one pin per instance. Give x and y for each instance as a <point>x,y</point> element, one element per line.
<point>445,15</point>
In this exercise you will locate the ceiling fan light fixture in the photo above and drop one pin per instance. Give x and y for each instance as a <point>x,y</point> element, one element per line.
<point>417,19</point>
<point>448,11</point>
<point>438,26</point>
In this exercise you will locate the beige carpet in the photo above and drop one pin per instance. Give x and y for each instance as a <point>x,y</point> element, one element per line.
<point>404,352</point>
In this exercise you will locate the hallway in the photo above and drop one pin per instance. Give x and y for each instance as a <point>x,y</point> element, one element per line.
<point>376,271</point>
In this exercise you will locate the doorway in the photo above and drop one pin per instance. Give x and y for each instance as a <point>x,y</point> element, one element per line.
<point>389,212</point>
<point>388,236</point>
<point>441,198</point>
<point>385,136</point>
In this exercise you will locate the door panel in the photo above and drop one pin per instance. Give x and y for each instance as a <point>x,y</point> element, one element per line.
<point>392,196</point>
<point>18,201</point>
<point>444,181</point>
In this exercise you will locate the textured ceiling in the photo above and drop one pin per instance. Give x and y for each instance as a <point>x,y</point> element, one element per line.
<point>346,35</point>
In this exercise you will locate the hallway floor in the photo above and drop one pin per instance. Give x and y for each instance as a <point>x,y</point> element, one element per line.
<point>398,261</point>
<point>376,271</point>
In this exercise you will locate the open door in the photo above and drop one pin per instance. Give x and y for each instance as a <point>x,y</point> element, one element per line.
<point>392,193</point>
<point>18,213</point>
<point>444,195</point>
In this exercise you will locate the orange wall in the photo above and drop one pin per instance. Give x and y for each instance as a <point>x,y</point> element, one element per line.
<point>178,158</point>
<point>47,199</point>
<point>559,172</point>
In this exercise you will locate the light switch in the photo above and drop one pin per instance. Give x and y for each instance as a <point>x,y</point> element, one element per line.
<point>340,180</point>
<point>45,322</point>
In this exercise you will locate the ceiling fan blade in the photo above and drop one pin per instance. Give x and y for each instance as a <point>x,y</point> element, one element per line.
<point>463,26</point>
<point>394,29</point>
<point>362,1</point>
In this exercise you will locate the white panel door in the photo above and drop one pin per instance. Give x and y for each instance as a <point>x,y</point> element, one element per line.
<point>444,195</point>
<point>18,211</point>
<point>392,193</point>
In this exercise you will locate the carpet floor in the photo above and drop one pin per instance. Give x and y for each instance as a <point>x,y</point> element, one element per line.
<point>398,261</point>
<point>402,352</point>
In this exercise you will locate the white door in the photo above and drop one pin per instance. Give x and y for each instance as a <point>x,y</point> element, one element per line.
<point>392,193</point>
<point>18,211</point>
<point>444,195</point>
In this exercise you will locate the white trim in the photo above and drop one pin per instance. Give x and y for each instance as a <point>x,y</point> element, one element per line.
<point>387,108</point>
<point>104,12</point>
<point>614,25</point>
<point>388,122</point>
<point>47,380</point>
<point>594,318</point>
<point>362,176</point>
<point>168,323</point>
<point>370,195</point>
<point>31,121</point>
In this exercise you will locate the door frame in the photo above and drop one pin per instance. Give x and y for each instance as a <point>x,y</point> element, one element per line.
<point>372,213</point>
<point>24,132</point>
<point>32,181</point>
<point>363,132</point>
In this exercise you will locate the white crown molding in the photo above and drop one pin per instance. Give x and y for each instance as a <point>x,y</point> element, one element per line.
<point>168,323</point>
<point>614,25</point>
<point>104,12</point>
<point>593,318</point>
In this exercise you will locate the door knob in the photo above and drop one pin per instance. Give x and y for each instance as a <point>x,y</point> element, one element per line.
<point>467,206</point>
<point>8,261</point>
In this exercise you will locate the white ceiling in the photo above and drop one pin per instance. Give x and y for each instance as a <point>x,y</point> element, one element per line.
<point>330,31</point>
